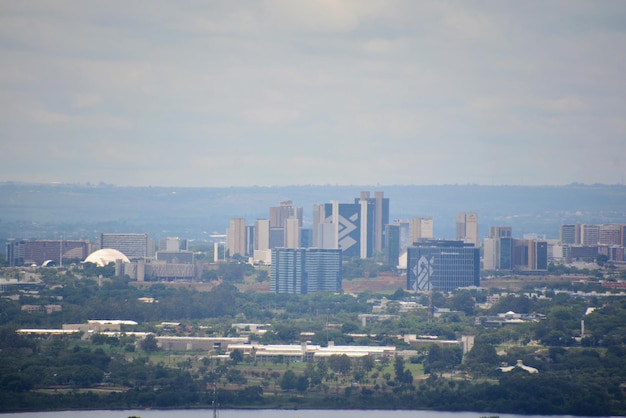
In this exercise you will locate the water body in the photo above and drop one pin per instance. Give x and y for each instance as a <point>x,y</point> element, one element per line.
<point>270,413</point>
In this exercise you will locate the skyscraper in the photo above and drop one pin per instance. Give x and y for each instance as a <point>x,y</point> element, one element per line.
<point>529,254</point>
<point>347,226</point>
<point>236,237</point>
<point>286,210</point>
<point>422,228</point>
<point>392,246</point>
<point>262,234</point>
<point>380,214</point>
<point>467,228</point>
<point>292,233</point>
<point>498,249</point>
<point>279,217</point>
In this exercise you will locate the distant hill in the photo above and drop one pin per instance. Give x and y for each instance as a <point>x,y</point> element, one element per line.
<point>84,211</point>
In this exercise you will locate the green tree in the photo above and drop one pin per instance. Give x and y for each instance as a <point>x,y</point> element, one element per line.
<point>236,356</point>
<point>340,363</point>
<point>302,384</point>
<point>482,359</point>
<point>149,344</point>
<point>289,380</point>
<point>464,302</point>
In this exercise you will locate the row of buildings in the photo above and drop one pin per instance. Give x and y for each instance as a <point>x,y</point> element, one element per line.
<point>587,241</point>
<point>357,228</point>
<point>307,256</point>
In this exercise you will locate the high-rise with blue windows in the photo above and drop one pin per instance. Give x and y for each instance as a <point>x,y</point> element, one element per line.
<point>357,229</point>
<point>442,265</point>
<point>306,270</point>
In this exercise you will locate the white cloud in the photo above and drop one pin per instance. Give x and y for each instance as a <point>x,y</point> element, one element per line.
<point>248,91</point>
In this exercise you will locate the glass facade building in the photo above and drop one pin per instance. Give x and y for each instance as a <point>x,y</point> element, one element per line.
<point>392,246</point>
<point>306,270</point>
<point>442,265</point>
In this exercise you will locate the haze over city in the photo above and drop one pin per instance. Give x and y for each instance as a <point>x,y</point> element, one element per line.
<point>325,92</point>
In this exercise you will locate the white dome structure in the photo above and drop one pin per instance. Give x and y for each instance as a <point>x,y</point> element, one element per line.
<point>105,256</point>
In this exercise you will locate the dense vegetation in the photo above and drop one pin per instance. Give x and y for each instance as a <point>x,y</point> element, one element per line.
<point>576,376</point>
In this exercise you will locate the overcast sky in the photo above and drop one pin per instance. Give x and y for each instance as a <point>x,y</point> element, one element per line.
<point>240,93</point>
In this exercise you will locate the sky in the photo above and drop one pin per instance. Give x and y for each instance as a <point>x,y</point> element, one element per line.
<point>283,92</point>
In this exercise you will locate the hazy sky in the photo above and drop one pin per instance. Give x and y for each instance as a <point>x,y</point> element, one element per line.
<point>285,92</point>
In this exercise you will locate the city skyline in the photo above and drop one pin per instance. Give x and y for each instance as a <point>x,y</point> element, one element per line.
<point>341,93</point>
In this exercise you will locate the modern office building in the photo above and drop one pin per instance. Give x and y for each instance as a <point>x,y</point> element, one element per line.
<point>467,228</point>
<point>250,233</point>
<point>277,237</point>
<point>442,265</point>
<point>589,234</point>
<point>392,246</point>
<point>173,244</point>
<point>262,234</point>
<point>236,237</point>
<point>347,226</point>
<point>305,270</point>
<point>498,249</point>
<point>530,254</point>
<point>131,245</point>
<point>500,232</point>
<point>27,252</point>
<point>570,234</point>
<point>611,234</point>
<point>292,232</point>
<point>306,237</point>
<point>380,212</point>
<point>422,228</point>
<point>498,253</point>
<point>285,210</point>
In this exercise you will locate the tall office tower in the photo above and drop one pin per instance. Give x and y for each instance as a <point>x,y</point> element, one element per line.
<point>405,233</point>
<point>570,234</point>
<point>442,265</point>
<point>27,252</point>
<point>250,234</point>
<point>236,237</point>
<point>347,226</point>
<point>498,248</point>
<point>611,234</point>
<point>589,234</point>
<point>529,254</point>
<point>500,232</point>
<point>380,213</point>
<point>262,234</point>
<point>280,214</point>
<point>422,228</point>
<point>538,257</point>
<point>490,254</point>
<point>173,244</point>
<point>392,246</point>
<point>131,245</point>
<point>467,228</point>
<point>498,253</point>
<point>305,270</point>
<point>292,233</point>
